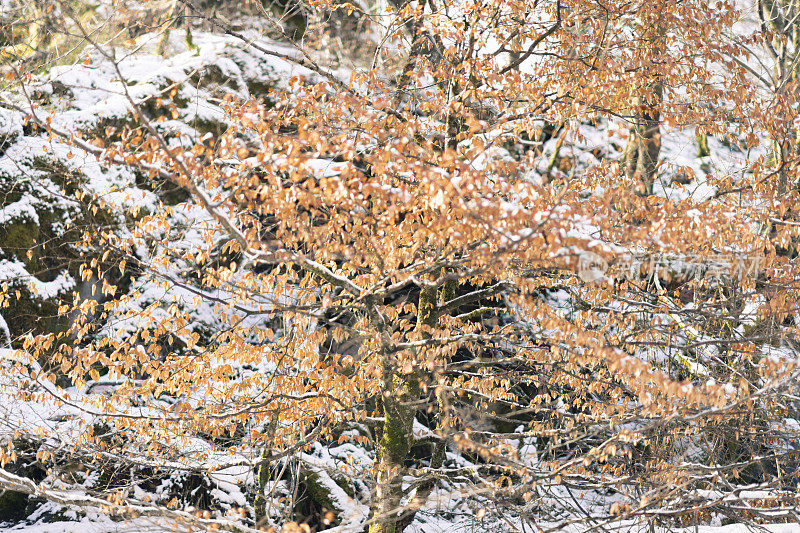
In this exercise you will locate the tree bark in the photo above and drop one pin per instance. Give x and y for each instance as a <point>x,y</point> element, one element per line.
<point>395,442</point>
<point>260,504</point>
<point>644,141</point>
<point>644,147</point>
<point>702,145</point>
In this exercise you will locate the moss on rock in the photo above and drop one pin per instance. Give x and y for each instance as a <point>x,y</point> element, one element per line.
<point>13,505</point>
<point>19,238</point>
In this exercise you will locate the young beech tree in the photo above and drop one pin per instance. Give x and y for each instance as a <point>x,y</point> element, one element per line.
<point>379,267</point>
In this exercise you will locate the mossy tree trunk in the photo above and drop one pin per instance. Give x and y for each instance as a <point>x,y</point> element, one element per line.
<point>393,448</point>
<point>401,394</point>
<point>262,473</point>
<point>782,17</point>
<point>702,144</point>
<point>40,21</point>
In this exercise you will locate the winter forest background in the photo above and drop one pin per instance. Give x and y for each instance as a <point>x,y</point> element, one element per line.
<point>399,265</point>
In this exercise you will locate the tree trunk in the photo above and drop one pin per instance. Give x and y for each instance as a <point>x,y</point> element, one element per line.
<point>396,437</point>
<point>702,144</point>
<point>644,140</point>
<point>644,147</point>
<point>393,448</point>
<point>262,474</point>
